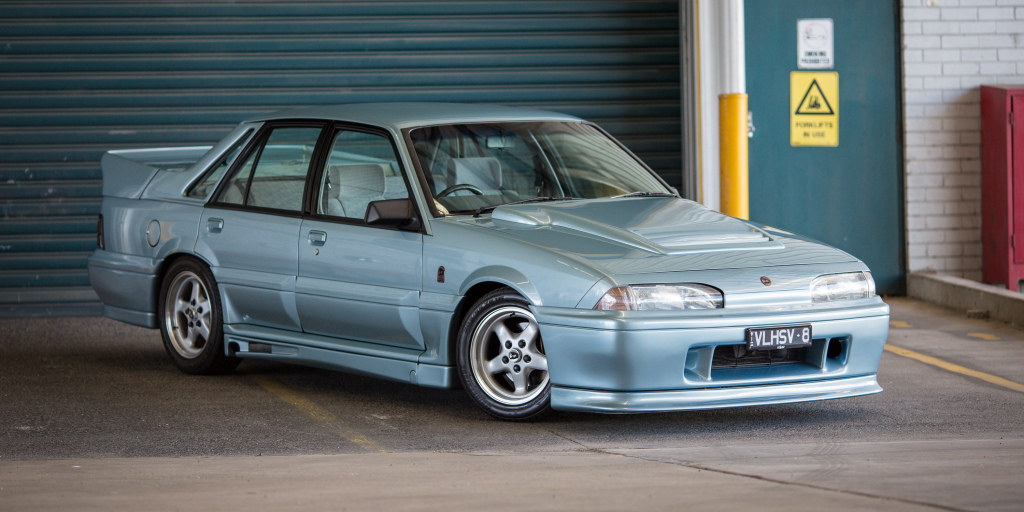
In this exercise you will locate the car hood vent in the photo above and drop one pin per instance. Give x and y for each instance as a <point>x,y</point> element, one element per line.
<point>658,225</point>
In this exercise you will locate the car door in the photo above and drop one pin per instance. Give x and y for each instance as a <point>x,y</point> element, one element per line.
<point>249,232</point>
<point>359,283</point>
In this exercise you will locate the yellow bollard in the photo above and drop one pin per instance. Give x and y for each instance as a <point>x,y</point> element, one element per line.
<point>732,143</point>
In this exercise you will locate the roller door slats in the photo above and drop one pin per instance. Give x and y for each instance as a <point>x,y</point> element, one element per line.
<point>27,172</point>
<point>84,224</point>
<point>274,99</point>
<point>47,243</point>
<point>29,208</point>
<point>65,259</point>
<point>328,25</point>
<point>48,278</point>
<point>196,118</point>
<point>26,137</point>
<point>51,189</point>
<point>361,60</point>
<point>72,122</point>
<point>134,9</point>
<point>86,118</point>
<point>415,78</point>
<point>81,78</point>
<point>648,40</point>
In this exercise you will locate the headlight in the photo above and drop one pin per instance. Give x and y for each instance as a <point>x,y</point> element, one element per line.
<point>832,287</point>
<point>649,297</point>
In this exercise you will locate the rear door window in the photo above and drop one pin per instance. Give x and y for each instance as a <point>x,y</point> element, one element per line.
<point>273,176</point>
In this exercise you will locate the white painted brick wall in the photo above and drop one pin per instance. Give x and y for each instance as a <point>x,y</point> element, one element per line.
<point>950,48</point>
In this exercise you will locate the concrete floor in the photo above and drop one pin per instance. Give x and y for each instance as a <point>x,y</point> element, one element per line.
<point>93,415</point>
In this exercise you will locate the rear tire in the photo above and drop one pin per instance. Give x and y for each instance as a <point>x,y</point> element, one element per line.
<point>190,319</point>
<point>501,358</point>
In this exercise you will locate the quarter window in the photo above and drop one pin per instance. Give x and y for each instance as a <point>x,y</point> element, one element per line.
<point>201,189</point>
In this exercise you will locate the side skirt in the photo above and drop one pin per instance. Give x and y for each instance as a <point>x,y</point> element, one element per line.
<point>351,357</point>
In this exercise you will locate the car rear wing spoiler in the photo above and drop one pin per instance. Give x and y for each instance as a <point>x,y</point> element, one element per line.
<point>127,172</point>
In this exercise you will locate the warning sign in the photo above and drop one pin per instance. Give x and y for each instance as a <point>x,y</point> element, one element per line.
<point>814,108</point>
<point>814,102</point>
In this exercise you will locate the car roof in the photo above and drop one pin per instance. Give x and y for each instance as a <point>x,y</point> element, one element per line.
<point>408,115</point>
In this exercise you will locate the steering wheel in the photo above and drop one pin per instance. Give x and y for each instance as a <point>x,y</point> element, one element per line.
<point>460,186</point>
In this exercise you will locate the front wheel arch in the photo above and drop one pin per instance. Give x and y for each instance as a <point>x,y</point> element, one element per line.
<point>500,357</point>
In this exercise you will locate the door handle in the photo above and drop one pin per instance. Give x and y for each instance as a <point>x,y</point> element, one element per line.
<point>214,225</point>
<point>317,238</point>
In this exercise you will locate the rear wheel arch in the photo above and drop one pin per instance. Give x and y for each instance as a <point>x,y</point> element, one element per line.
<point>161,273</point>
<point>192,333</point>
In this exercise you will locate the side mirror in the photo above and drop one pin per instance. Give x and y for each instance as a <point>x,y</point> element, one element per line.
<point>399,213</point>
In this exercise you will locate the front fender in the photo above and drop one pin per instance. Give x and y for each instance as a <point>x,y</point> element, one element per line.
<point>504,275</point>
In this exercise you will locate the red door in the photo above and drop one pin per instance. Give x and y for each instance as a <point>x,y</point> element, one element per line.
<point>1017,175</point>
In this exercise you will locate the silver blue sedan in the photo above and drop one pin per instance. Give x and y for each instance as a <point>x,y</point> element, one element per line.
<point>523,255</point>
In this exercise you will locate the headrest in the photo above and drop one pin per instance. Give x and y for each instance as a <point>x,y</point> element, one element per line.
<point>484,172</point>
<point>358,180</point>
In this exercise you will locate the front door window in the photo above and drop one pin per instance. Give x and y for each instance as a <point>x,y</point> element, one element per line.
<point>361,168</point>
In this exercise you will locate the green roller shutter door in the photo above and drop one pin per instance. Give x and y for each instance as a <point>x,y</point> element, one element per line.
<point>77,79</point>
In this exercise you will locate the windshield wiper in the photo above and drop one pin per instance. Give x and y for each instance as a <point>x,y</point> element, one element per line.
<point>645,194</point>
<point>541,199</point>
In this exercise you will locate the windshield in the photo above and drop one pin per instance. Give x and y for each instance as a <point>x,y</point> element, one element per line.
<point>474,166</point>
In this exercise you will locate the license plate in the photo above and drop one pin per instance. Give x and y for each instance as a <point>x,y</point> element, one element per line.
<point>771,338</point>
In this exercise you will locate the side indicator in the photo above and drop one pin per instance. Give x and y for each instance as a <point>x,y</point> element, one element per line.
<point>440,274</point>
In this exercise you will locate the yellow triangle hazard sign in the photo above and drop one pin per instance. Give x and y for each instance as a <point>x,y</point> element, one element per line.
<point>814,108</point>
<point>814,102</point>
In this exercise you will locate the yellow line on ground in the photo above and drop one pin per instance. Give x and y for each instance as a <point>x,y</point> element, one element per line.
<point>317,413</point>
<point>983,335</point>
<point>955,368</point>
<point>899,323</point>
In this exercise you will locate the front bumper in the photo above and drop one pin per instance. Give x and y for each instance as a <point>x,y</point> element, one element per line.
<point>666,361</point>
<point>568,399</point>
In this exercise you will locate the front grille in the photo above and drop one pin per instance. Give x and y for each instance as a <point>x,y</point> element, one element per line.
<point>737,356</point>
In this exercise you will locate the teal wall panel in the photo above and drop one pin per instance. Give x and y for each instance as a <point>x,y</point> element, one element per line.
<point>849,196</point>
<point>80,78</point>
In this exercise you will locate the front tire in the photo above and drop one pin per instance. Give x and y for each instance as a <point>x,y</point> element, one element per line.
<point>501,358</point>
<point>190,319</point>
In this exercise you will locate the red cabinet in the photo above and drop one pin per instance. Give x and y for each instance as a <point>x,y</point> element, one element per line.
<point>1002,185</point>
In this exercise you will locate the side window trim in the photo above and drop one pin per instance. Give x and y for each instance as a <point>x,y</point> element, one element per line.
<point>316,177</point>
<point>252,170</point>
<point>238,145</point>
<point>256,143</point>
<point>421,176</point>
